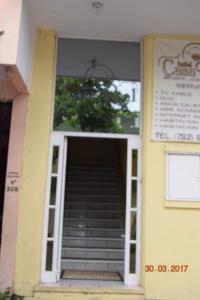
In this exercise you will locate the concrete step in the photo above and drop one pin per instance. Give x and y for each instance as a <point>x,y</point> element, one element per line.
<point>104,179</point>
<point>91,184</point>
<point>93,205</point>
<point>93,253</point>
<point>90,223</point>
<point>93,265</point>
<point>92,191</point>
<point>92,198</point>
<point>85,173</point>
<point>94,249</point>
<point>93,242</point>
<point>96,169</point>
<point>93,232</point>
<point>84,214</point>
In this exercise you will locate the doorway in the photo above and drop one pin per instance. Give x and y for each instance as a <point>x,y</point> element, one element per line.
<point>94,210</point>
<point>84,197</point>
<point>97,106</point>
<point>5,118</point>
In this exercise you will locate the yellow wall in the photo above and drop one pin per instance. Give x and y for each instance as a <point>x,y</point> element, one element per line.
<point>32,195</point>
<point>33,188</point>
<point>169,235</point>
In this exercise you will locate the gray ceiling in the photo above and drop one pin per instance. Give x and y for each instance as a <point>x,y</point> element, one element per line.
<point>122,20</point>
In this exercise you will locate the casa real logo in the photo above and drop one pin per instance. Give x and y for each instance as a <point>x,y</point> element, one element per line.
<point>186,63</point>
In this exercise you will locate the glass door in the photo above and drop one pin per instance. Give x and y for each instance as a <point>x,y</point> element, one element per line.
<point>133,211</point>
<point>53,209</point>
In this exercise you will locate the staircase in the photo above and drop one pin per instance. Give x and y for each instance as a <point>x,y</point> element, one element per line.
<point>93,233</point>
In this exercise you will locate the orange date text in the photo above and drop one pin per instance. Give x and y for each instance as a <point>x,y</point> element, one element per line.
<point>166,268</point>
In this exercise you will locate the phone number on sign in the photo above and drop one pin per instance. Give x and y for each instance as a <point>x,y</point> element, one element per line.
<point>165,268</point>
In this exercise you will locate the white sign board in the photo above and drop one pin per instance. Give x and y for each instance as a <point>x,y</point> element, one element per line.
<point>176,92</point>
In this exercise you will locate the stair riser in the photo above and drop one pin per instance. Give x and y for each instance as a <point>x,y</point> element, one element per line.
<point>90,205</point>
<point>92,191</point>
<point>93,233</point>
<point>91,168</point>
<point>92,224</point>
<point>92,266</point>
<point>91,179</point>
<point>94,215</point>
<point>92,254</point>
<point>93,243</point>
<point>91,184</point>
<point>93,198</point>
<point>91,174</point>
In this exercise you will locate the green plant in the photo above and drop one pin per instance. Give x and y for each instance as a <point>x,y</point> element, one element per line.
<point>8,295</point>
<point>16,297</point>
<point>91,105</point>
<point>3,296</point>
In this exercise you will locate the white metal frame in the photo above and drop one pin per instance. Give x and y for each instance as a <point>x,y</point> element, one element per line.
<point>52,276</point>
<point>133,279</point>
<point>60,139</point>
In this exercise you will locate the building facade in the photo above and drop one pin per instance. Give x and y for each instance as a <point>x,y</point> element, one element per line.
<point>159,164</point>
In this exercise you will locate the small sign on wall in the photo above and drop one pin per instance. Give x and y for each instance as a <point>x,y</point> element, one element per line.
<point>176,92</point>
<point>12,182</point>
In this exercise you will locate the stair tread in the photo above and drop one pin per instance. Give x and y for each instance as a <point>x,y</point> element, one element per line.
<point>92,170</point>
<point>93,203</point>
<point>94,238</point>
<point>92,228</point>
<point>93,210</point>
<point>89,260</point>
<point>84,167</point>
<point>92,207</point>
<point>91,182</point>
<point>72,178</point>
<point>93,249</point>
<point>92,188</point>
<point>110,228</point>
<point>90,220</point>
<point>94,196</point>
<point>97,200</point>
<point>104,171</point>
<point>84,218</point>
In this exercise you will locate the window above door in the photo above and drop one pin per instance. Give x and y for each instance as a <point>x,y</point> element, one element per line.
<point>97,86</point>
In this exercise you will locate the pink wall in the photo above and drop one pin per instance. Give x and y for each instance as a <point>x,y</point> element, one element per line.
<point>14,169</point>
<point>10,11</point>
<point>10,21</point>
<point>2,15</point>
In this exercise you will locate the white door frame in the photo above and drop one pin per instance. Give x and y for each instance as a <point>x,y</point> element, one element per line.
<point>133,144</point>
<point>60,139</point>
<point>51,276</point>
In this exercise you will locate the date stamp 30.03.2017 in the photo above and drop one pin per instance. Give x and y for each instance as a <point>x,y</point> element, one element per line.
<point>166,268</point>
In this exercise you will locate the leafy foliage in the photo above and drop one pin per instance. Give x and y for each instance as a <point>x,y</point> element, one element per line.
<point>90,105</point>
<point>7,295</point>
<point>3,296</point>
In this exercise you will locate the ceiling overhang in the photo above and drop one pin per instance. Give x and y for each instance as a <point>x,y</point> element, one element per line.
<point>120,20</point>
